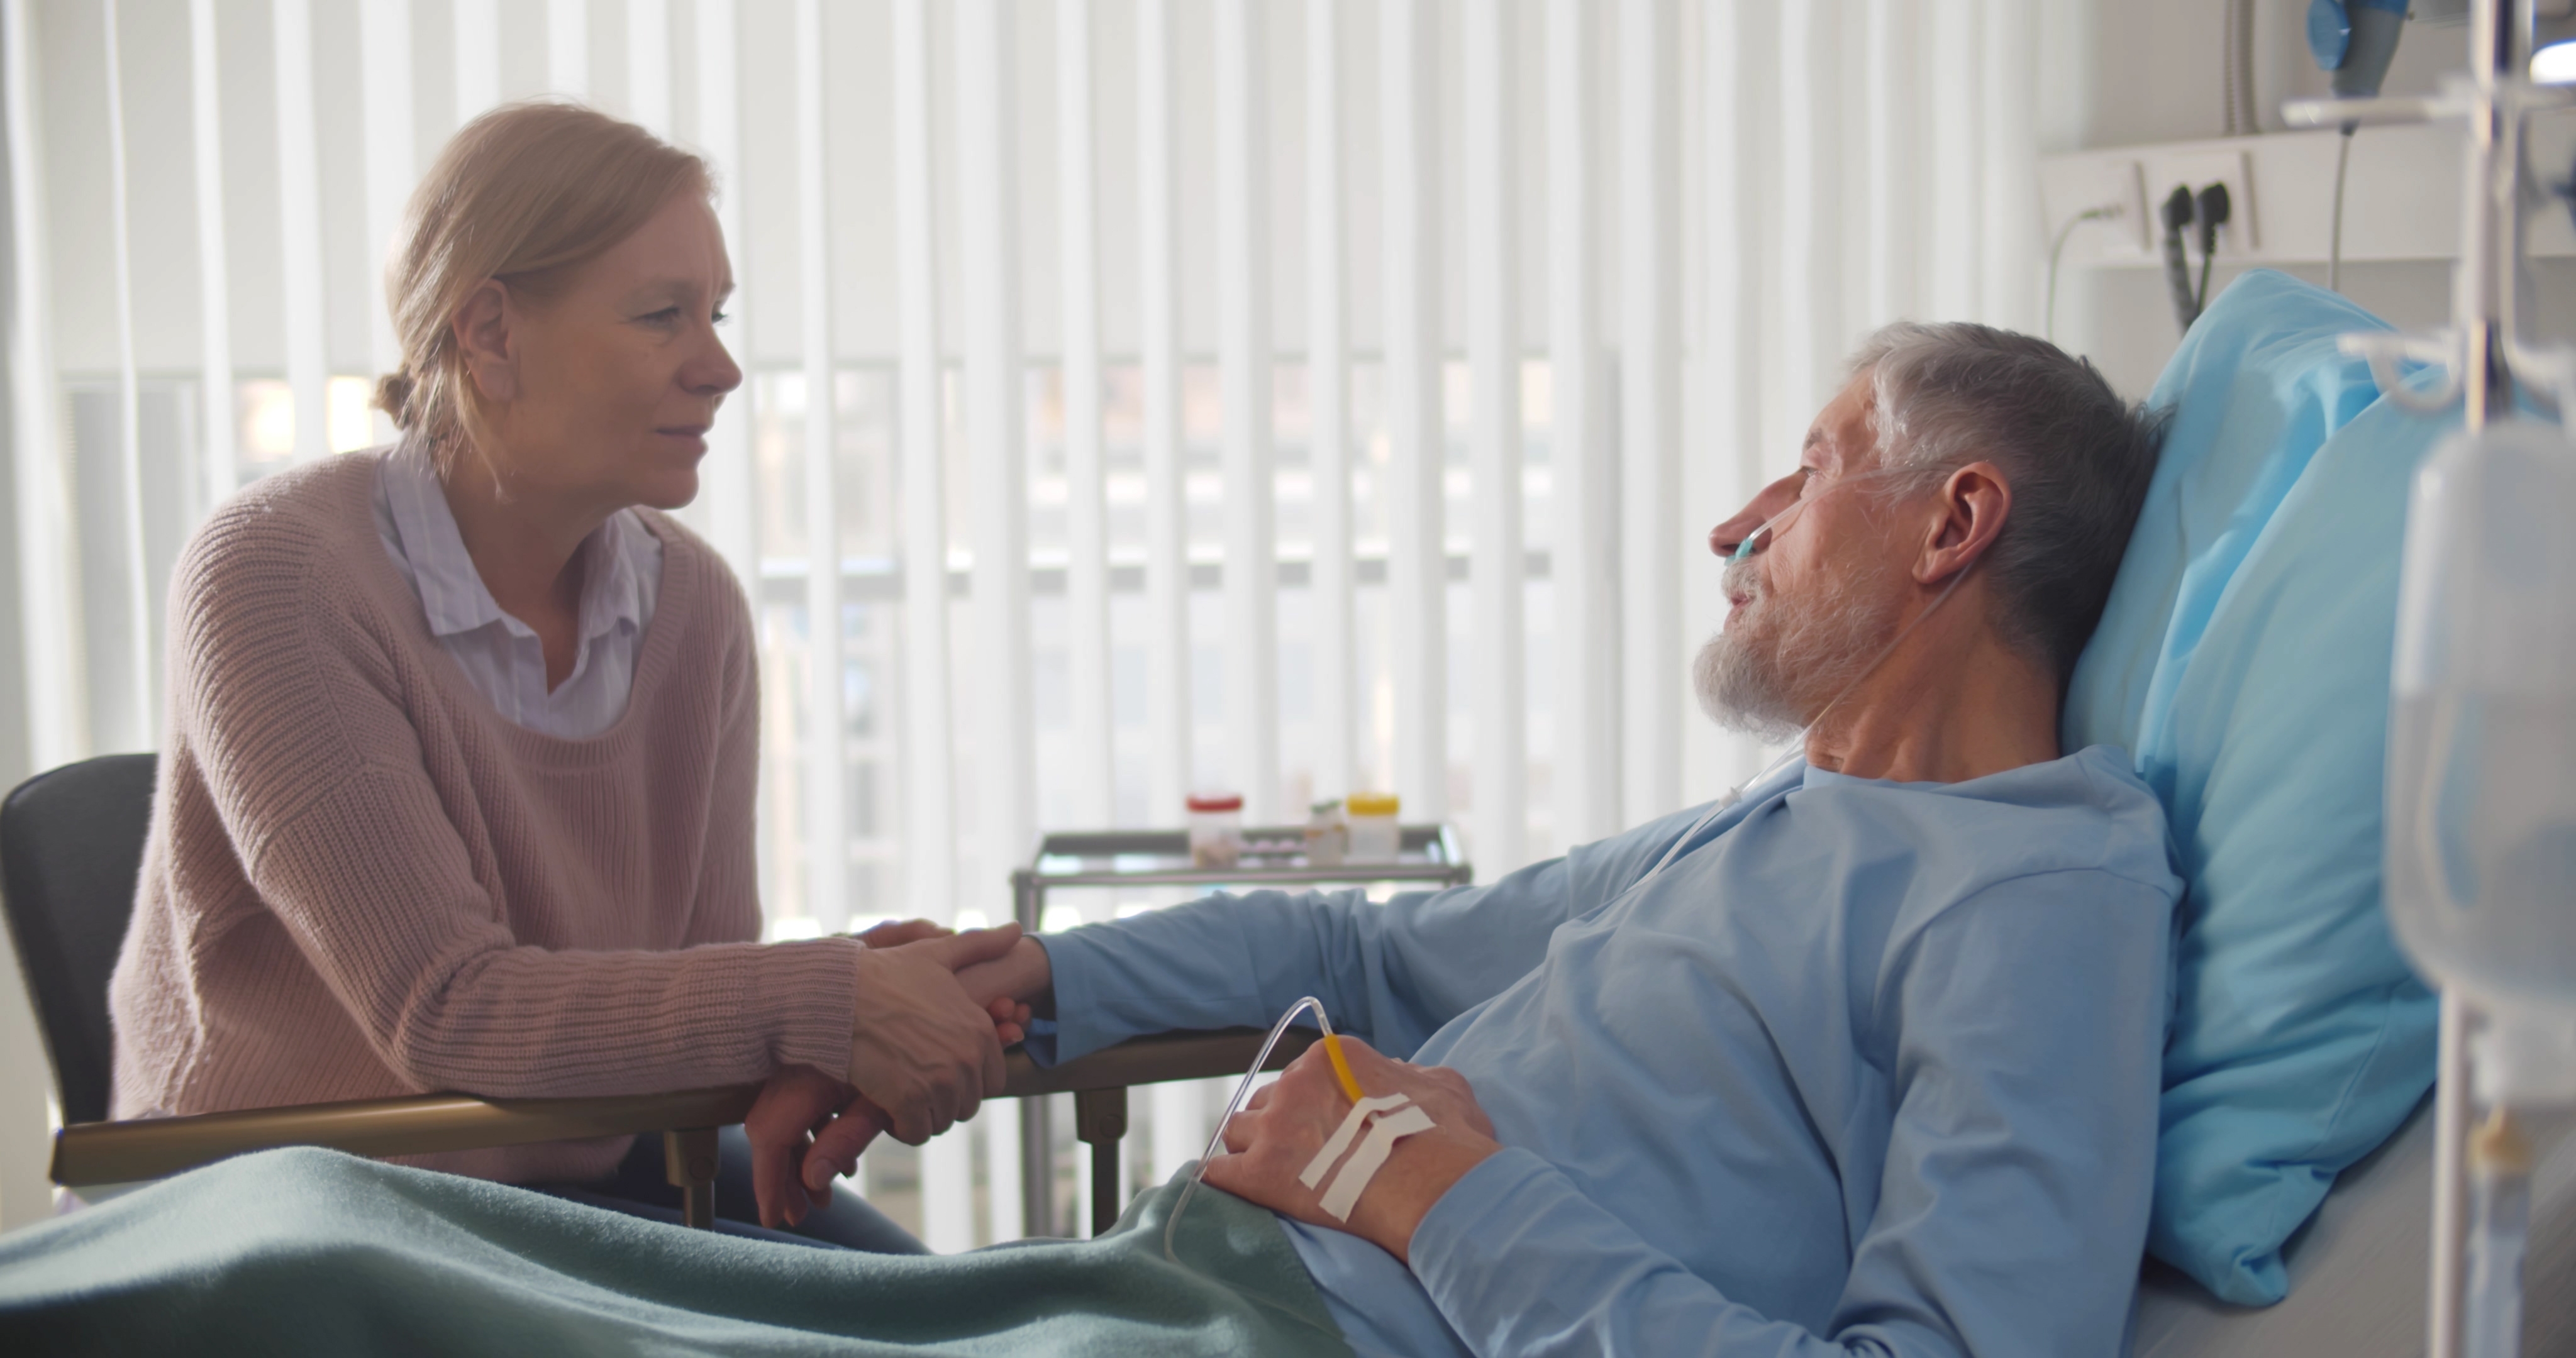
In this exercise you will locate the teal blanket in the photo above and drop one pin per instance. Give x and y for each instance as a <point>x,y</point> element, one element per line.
<point>309,1251</point>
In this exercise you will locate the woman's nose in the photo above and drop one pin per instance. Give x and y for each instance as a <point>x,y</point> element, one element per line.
<point>714,373</point>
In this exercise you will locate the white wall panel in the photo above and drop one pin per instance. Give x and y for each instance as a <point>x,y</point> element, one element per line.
<point>299,235</point>
<point>477,56</point>
<point>216,467</point>
<point>826,716</point>
<point>648,64</point>
<point>1167,663</point>
<point>725,475</point>
<point>996,435</point>
<point>1584,565</point>
<point>1498,571</point>
<point>568,47</point>
<point>1417,564</point>
<point>1649,417</point>
<point>384,46</point>
<point>1329,446</point>
<point>142,720</point>
<point>1243,361</point>
<point>1086,512</point>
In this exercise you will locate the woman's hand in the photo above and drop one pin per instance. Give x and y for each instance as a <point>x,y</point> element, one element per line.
<point>805,1129</point>
<point>1279,1131</point>
<point>920,1049</point>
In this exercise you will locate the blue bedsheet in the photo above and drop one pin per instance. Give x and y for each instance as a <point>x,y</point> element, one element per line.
<point>313,1252</point>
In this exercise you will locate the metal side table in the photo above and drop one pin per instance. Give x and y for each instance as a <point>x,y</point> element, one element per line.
<point>1273,856</point>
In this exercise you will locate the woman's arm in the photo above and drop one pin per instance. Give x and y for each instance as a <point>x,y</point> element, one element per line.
<point>728,904</point>
<point>288,688</point>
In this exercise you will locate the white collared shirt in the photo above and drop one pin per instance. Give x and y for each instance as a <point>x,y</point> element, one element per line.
<point>501,656</point>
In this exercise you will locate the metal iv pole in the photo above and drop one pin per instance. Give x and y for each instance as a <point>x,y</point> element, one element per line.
<point>2482,355</point>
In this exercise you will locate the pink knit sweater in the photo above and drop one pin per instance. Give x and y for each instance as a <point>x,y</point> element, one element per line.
<point>361,881</point>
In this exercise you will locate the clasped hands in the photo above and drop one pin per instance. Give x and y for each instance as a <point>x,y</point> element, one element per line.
<point>924,1055</point>
<point>809,1128</point>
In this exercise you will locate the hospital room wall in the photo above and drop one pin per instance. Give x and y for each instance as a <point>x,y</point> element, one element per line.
<point>2152,73</point>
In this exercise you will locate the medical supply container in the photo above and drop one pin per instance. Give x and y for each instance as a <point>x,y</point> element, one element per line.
<point>1328,836</point>
<point>1374,838</point>
<point>2481,835</point>
<point>1216,829</point>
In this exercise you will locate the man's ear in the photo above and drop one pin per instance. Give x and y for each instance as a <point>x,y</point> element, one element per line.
<point>484,332</point>
<point>1970,509</point>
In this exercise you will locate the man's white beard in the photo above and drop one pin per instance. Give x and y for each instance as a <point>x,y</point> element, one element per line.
<point>1781,663</point>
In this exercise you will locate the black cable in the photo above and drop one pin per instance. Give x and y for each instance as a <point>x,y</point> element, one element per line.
<point>2174,215</point>
<point>2210,208</point>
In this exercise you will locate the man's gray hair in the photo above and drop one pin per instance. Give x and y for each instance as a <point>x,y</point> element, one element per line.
<point>2076,457</point>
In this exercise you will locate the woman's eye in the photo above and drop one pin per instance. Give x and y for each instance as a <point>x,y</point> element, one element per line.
<point>669,315</point>
<point>721,317</point>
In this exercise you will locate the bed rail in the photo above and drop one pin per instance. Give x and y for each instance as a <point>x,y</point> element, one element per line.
<point>93,1153</point>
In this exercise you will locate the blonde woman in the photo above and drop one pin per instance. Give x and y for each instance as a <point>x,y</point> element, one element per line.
<point>458,792</point>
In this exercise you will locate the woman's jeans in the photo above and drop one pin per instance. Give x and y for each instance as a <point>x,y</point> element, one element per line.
<point>640,1186</point>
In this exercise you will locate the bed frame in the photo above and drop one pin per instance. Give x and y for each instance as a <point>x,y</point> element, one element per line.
<point>92,1154</point>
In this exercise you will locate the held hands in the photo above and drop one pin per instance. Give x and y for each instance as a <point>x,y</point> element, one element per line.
<point>1285,1124</point>
<point>919,1046</point>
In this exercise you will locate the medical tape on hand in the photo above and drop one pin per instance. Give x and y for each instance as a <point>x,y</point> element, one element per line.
<point>1340,1140</point>
<point>1371,1157</point>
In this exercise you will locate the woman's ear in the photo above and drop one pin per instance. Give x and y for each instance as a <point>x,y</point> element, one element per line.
<point>1972,506</point>
<point>482,327</point>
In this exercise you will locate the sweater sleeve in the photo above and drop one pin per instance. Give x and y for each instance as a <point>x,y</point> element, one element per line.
<point>728,904</point>
<point>287,686</point>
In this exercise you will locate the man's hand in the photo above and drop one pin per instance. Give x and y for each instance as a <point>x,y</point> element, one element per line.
<point>894,933</point>
<point>920,1049</point>
<point>1283,1125</point>
<point>1021,977</point>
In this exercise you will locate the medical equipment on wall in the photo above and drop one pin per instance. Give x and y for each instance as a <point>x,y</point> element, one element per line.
<point>2354,40</point>
<point>2198,218</point>
<point>2174,216</point>
<point>2481,821</point>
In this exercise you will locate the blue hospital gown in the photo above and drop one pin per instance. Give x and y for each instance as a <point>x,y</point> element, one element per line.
<point>1871,1068</point>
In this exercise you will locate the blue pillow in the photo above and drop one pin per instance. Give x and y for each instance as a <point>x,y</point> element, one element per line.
<point>2244,659</point>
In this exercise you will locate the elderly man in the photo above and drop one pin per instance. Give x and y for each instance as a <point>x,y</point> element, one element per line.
<point>1861,1060</point>
<point>1864,1059</point>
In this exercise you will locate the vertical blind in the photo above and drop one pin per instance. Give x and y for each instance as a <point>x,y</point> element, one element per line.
<point>1291,396</point>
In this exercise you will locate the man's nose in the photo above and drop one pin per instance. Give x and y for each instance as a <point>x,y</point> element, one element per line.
<point>1727,536</point>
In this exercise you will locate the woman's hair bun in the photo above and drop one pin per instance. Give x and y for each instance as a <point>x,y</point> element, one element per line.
<point>393,396</point>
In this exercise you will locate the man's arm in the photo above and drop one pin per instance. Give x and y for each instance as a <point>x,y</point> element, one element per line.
<point>1391,974</point>
<point>2023,1029</point>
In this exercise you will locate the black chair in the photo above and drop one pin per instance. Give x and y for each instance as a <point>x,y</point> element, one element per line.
<point>71,847</point>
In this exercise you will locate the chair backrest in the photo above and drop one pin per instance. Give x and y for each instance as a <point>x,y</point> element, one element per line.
<point>71,847</point>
